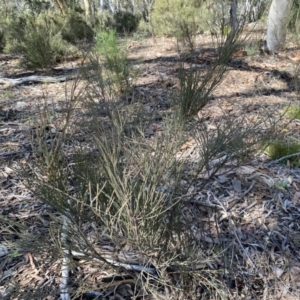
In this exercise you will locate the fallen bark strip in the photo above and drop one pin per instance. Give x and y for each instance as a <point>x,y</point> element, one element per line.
<point>33,78</point>
<point>114,262</point>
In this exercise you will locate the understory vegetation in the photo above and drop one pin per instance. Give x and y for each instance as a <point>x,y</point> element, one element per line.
<point>120,195</point>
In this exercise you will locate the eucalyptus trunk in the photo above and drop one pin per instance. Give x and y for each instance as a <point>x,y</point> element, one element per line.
<point>277,24</point>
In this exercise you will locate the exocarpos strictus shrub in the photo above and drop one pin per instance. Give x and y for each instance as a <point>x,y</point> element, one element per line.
<point>122,201</point>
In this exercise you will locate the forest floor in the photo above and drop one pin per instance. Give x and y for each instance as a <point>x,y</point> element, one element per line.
<point>266,216</point>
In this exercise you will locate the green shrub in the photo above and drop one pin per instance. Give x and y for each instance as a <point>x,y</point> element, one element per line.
<point>126,21</point>
<point>76,29</point>
<point>182,19</point>
<point>105,20</point>
<point>115,56</point>
<point>121,21</point>
<point>38,39</point>
<point>280,149</point>
<point>144,30</point>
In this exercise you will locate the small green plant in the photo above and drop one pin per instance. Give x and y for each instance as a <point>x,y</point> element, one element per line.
<point>14,254</point>
<point>280,149</point>
<point>281,184</point>
<point>252,47</point>
<point>292,112</point>
<point>115,56</point>
<point>186,34</point>
<point>8,94</point>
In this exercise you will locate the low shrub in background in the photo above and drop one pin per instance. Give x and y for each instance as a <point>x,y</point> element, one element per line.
<point>105,20</point>
<point>75,29</point>
<point>43,40</point>
<point>37,40</point>
<point>284,150</point>
<point>121,21</point>
<point>126,22</point>
<point>181,19</point>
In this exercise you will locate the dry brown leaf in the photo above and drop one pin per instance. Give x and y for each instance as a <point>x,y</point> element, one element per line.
<point>156,127</point>
<point>208,56</point>
<point>296,198</point>
<point>245,170</point>
<point>190,142</point>
<point>295,58</point>
<point>240,53</point>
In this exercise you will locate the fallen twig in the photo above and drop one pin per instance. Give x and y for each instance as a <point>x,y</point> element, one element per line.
<point>129,267</point>
<point>33,78</point>
<point>283,158</point>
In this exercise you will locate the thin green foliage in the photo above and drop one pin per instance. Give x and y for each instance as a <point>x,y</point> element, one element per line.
<point>116,61</point>
<point>197,85</point>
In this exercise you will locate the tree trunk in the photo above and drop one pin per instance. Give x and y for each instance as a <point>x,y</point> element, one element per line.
<point>253,10</point>
<point>89,14</point>
<point>61,6</point>
<point>234,23</point>
<point>277,24</point>
<point>112,6</point>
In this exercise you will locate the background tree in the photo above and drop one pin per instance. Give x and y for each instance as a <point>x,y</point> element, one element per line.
<point>277,24</point>
<point>253,9</point>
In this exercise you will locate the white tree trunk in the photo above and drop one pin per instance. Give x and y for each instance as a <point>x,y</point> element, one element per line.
<point>101,5</point>
<point>277,24</point>
<point>112,6</point>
